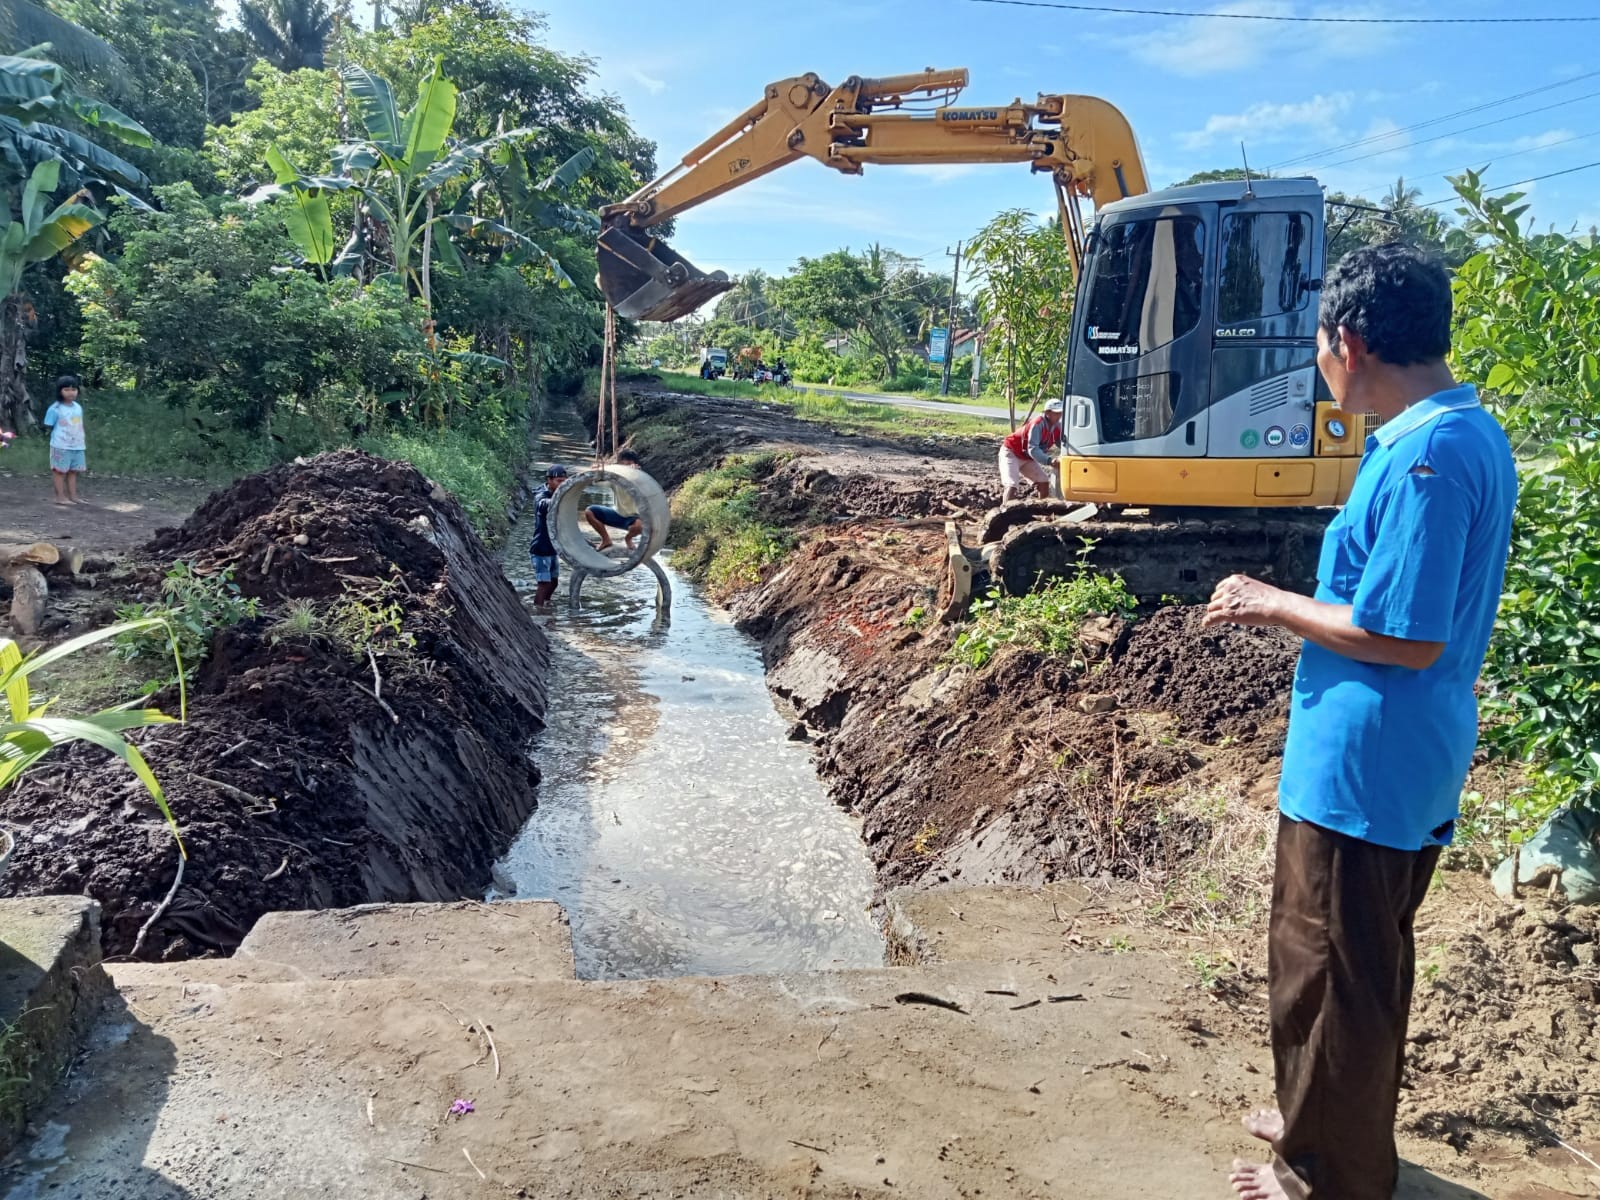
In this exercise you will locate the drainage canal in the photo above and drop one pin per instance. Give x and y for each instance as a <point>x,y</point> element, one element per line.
<point>679,828</point>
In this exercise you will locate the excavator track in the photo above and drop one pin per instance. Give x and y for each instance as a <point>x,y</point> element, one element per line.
<point>1185,557</point>
<point>1028,544</point>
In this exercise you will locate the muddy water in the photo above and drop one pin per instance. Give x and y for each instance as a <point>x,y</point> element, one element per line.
<point>681,830</point>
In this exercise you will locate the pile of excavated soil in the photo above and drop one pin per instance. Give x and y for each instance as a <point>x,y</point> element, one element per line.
<point>311,772</point>
<point>1221,682</point>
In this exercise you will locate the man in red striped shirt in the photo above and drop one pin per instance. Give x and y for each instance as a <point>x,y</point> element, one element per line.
<point>1025,454</point>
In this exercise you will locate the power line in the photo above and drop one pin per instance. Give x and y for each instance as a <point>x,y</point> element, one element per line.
<point>1506,187</point>
<point>1230,16</point>
<point>1454,132</point>
<point>1497,159</point>
<point>1312,155</point>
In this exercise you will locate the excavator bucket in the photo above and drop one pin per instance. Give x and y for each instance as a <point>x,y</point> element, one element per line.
<point>644,279</point>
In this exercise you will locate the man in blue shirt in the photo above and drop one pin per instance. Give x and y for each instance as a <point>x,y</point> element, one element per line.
<point>1382,725</point>
<point>542,549</point>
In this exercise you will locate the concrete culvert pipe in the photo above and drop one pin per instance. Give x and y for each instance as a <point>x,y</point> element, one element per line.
<point>619,487</point>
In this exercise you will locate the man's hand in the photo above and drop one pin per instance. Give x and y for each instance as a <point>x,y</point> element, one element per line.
<point>1240,600</point>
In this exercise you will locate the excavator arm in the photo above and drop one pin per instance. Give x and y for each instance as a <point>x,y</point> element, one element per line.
<point>1083,143</point>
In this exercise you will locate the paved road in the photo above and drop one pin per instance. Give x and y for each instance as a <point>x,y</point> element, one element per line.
<point>968,410</point>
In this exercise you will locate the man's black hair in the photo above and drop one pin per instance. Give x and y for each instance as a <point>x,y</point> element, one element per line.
<point>628,456</point>
<point>66,381</point>
<point>1396,297</point>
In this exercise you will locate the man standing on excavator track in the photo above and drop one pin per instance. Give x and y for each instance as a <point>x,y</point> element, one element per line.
<point>1382,724</point>
<point>1025,454</point>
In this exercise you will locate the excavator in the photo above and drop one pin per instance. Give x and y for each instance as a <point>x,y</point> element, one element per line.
<point>1198,438</point>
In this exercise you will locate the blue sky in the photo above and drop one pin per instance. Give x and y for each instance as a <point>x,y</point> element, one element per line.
<point>1192,88</point>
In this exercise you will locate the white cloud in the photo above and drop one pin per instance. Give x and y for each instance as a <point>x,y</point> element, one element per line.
<point>1206,46</point>
<point>649,82</point>
<point>1269,123</point>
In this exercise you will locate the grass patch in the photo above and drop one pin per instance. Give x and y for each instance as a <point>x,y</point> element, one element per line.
<point>1046,621</point>
<point>721,535</point>
<point>839,412</point>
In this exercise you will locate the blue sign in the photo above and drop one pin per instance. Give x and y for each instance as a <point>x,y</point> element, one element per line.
<point>938,343</point>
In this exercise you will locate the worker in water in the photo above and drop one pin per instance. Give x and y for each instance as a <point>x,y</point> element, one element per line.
<point>1025,455</point>
<point>542,549</point>
<point>1382,724</point>
<point>603,518</point>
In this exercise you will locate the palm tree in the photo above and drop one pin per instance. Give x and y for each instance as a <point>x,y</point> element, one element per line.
<point>291,34</point>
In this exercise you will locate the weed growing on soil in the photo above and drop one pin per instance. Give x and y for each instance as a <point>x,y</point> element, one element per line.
<point>300,620</point>
<point>721,533</point>
<point>1046,620</point>
<point>1224,880</point>
<point>192,607</point>
<point>360,622</point>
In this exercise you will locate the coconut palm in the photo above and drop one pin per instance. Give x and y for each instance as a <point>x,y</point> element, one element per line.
<point>291,34</point>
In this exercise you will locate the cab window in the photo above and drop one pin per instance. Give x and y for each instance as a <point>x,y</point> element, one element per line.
<point>1145,285</point>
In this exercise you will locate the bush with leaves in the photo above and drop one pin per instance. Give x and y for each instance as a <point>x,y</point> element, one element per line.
<point>192,608</point>
<point>1045,621</point>
<point>1528,332</point>
<point>199,310</point>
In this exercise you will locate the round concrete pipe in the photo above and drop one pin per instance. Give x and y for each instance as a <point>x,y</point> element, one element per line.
<point>569,529</point>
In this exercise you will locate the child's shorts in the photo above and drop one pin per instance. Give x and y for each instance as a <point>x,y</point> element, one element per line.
<point>611,517</point>
<point>546,568</point>
<point>67,460</point>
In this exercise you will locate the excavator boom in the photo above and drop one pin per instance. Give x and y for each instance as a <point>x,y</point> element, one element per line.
<point>1082,142</point>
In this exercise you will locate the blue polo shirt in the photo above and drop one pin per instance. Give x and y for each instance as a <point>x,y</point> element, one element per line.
<point>1419,552</point>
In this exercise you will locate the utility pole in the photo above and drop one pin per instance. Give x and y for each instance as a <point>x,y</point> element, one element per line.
<point>950,329</point>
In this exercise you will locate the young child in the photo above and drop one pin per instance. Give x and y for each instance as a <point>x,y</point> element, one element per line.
<point>64,420</point>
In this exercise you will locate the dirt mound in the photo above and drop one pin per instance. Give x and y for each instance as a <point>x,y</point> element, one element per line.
<point>1217,682</point>
<point>1504,1022</point>
<point>374,753</point>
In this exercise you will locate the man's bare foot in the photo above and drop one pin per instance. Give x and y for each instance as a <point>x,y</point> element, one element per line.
<point>605,544</point>
<point>1264,1123</point>
<point>1256,1181</point>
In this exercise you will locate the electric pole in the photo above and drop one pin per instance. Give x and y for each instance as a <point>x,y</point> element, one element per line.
<point>950,328</point>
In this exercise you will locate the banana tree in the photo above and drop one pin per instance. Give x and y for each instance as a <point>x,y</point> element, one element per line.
<point>402,172</point>
<point>28,732</point>
<point>35,94</point>
<point>35,233</point>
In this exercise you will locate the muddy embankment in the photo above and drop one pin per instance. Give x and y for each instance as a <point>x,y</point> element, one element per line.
<point>361,740</point>
<point>1000,775</point>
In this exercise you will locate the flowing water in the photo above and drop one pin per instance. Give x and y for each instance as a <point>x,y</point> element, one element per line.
<point>679,827</point>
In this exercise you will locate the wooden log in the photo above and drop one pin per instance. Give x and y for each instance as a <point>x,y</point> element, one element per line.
<point>39,553</point>
<point>69,561</point>
<point>28,594</point>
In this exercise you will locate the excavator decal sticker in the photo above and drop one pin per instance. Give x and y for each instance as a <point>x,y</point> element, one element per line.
<point>969,114</point>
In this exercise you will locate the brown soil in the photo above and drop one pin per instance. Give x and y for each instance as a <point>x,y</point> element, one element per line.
<point>119,513</point>
<point>997,775</point>
<point>294,785</point>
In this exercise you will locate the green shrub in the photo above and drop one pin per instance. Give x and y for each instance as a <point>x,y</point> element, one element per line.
<point>719,529</point>
<point>1528,331</point>
<point>1046,621</point>
<point>192,608</point>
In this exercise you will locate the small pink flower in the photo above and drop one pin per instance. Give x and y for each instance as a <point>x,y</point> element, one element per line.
<point>462,1107</point>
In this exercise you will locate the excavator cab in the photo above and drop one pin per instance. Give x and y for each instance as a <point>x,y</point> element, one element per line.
<point>644,279</point>
<point>1192,379</point>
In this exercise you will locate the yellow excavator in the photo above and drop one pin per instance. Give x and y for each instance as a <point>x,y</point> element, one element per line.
<point>1192,395</point>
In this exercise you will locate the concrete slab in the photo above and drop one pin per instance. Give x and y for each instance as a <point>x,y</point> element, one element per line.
<point>518,939</point>
<point>827,1086</point>
<point>51,987</point>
